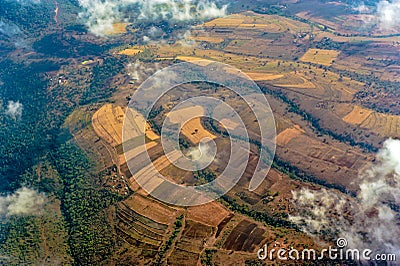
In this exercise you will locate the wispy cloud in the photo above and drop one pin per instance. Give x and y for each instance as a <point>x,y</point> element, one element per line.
<point>14,109</point>
<point>99,15</point>
<point>386,14</point>
<point>24,201</point>
<point>366,221</point>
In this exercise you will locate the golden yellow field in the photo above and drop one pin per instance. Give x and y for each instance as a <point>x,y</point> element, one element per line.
<point>263,76</point>
<point>288,134</point>
<point>209,39</point>
<point>229,21</point>
<point>319,56</point>
<point>109,120</point>
<point>107,123</point>
<point>383,124</point>
<point>117,28</point>
<point>195,131</point>
<point>130,52</point>
<point>194,59</point>
<point>357,115</point>
<point>192,129</point>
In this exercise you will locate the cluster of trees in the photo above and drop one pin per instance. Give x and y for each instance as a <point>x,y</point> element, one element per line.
<point>65,45</point>
<point>294,108</point>
<point>207,258</point>
<point>276,221</point>
<point>100,88</point>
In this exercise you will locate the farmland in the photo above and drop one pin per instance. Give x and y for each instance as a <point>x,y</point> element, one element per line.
<point>318,56</point>
<point>331,82</point>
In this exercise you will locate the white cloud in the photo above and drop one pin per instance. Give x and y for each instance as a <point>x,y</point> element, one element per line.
<point>366,221</point>
<point>388,13</point>
<point>24,201</point>
<point>99,15</point>
<point>14,109</point>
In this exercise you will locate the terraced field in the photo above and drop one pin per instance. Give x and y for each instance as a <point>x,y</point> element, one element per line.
<point>382,124</point>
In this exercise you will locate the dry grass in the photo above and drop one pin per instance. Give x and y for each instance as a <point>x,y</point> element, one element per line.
<point>263,76</point>
<point>288,134</point>
<point>185,114</point>
<point>209,39</point>
<point>228,123</point>
<point>319,56</point>
<point>229,21</point>
<point>130,51</point>
<point>305,84</point>
<point>193,59</point>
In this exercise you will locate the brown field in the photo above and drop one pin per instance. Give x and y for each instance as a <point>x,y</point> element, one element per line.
<point>181,257</point>
<point>130,52</point>
<point>246,236</point>
<point>150,174</point>
<point>184,114</point>
<point>211,213</point>
<point>384,125</point>
<point>319,56</point>
<point>128,155</point>
<point>288,134</point>
<point>152,209</point>
<point>107,123</point>
<point>194,236</point>
<point>302,83</point>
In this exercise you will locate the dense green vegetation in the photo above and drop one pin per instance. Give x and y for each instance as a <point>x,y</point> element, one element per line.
<point>99,88</point>
<point>24,138</point>
<point>263,217</point>
<point>84,205</point>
